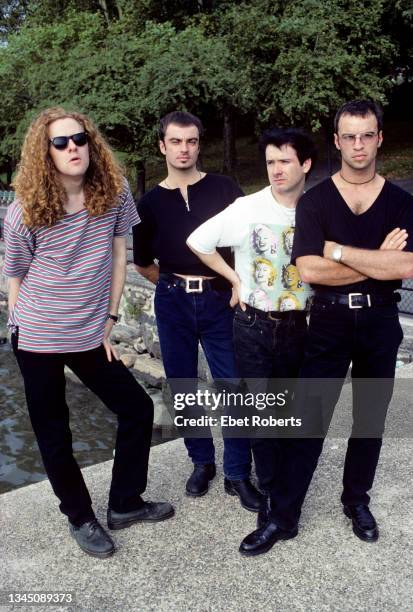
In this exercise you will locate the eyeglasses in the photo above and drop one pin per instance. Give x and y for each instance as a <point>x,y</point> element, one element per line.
<point>364,138</point>
<point>61,142</point>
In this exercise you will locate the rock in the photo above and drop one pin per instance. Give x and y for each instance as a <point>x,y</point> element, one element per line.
<point>149,370</point>
<point>125,349</point>
<point>123,333</point>
<point>139,346</point>
<point>128,359</point>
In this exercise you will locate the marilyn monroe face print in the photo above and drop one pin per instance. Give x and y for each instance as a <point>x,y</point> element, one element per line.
<point>263,240</point>
<point>264,272</point>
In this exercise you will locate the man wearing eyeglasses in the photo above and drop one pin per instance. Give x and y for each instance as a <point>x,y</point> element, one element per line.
<point>353,243</point>
<point>191,301</point>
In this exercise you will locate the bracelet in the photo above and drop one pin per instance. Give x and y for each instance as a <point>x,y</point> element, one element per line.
<point>112,317</point>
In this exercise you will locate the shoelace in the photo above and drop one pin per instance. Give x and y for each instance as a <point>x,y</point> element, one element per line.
<point>93,525</point>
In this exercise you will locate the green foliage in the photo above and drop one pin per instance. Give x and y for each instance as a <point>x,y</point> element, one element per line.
<point>128,63</point>
<point>306,57</point>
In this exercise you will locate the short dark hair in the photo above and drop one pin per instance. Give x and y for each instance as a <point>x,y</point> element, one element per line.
<point>360,108</point>
<point>295,137</point>
<point>180,118</point>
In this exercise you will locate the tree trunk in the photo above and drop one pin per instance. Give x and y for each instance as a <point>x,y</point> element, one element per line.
<point>140,179</point>
<point>9,173</point>
<point>230,156</point>
<point>328,137</point>
<point>104,6</point>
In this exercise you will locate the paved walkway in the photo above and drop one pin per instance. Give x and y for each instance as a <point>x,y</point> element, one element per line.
<point>191,562</point>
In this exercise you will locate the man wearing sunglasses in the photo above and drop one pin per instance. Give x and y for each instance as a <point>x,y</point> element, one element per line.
<point>66,259</point>
<point>191,301</point>
<point>353,243</point>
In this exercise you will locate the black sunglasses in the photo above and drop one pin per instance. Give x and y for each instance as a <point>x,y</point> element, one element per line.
<point>61,142</point>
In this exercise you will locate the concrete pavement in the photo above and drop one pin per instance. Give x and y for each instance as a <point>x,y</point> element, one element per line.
<point>191,562</point>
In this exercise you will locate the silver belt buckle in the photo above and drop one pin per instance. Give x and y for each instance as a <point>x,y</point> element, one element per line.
<point>197,288</point>
<point>350,300</point>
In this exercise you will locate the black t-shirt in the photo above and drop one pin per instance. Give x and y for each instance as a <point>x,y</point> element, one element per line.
<point>166,223</point>
<point>322,214</point>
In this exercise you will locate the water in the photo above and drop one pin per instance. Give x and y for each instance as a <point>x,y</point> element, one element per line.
<point>93,427</point>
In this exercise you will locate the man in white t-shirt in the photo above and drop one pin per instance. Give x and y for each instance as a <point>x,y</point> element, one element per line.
<point>270,318</point>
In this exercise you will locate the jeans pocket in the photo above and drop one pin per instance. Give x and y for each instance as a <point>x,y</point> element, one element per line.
<point>244,319</point>
<point>164,287</point>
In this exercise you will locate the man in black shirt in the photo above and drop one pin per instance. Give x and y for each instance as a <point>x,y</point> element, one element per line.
<point>353,242</point>
<point>191,302</point>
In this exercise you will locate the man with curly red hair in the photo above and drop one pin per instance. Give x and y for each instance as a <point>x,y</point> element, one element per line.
<point>66,261</point>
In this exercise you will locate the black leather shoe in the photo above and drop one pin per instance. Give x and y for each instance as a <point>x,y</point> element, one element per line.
<point>364,523</point>
<point>93,539</point>
<point>250,498</point>
<point>150,512</point>
<point>261,540</point>
<point>197,483</point>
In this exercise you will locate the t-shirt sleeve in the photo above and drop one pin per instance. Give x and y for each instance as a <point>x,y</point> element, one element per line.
<point>405,219</point>
<point>20,243</point>
<point>127,214</point>
<point>224,230</point>
<point>308,235</point>
<point>144,235</point>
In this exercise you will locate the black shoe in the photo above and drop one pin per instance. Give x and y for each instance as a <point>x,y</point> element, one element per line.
<point>250,498</point>
<point>261,540</point>
<point>197,483</point>
<point>150,512</point>
<point>364,523</point>
<point>93,539</point>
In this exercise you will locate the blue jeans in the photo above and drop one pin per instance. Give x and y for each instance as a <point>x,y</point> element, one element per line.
<point>184,320</point>
<point>267,350</point>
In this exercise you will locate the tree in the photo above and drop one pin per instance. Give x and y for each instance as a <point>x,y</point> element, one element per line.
<point>305,57</point>
<point>126,81</point>
<point>283,62</point>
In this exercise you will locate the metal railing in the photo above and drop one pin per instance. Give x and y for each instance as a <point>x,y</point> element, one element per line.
<point>406,304</point>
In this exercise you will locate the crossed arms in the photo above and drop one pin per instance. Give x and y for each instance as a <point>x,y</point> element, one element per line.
<point>386,263</point>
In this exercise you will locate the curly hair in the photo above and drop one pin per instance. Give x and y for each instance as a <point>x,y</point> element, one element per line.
<point>37,185</point>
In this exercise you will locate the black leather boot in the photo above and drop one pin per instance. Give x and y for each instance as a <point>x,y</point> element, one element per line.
<point>197,483</point>
<point>251,499</point>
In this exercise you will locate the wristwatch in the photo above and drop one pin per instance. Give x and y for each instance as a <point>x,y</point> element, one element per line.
<point>112,317</point>
<point>337,253</point>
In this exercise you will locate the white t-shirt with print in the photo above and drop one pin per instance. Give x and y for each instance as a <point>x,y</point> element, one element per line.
<point>261,232</point>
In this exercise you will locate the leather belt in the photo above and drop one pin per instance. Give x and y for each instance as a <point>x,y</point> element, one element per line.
<point>357,300</point>
<point>273,315</point>
<point>196,284</point>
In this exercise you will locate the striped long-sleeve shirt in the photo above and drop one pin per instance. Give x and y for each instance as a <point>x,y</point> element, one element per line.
<point>66,270</point>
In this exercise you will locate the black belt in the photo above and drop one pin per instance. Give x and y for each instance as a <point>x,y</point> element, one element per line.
<point>273,315</point>
<point>196,284</point>
<point>357,300</point>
